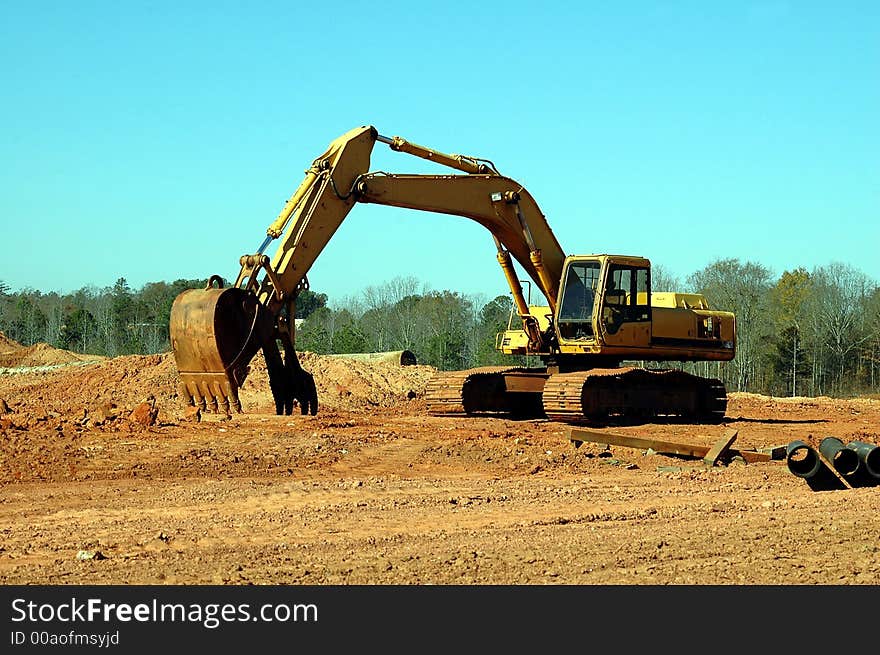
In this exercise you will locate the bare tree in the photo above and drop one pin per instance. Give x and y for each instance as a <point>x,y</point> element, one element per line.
<point>742,288</point>
<point>871,349</point>
<point>841,295</point>
<point>390,313</point>
<point>663,280</point>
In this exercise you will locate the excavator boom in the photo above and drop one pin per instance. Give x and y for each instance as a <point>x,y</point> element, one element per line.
<point>215,332</point>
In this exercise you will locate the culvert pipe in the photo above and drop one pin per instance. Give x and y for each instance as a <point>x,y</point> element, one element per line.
<point>804,462</point>
<point>845,461</point>
<point>869,456</point>
<point>398,357</point>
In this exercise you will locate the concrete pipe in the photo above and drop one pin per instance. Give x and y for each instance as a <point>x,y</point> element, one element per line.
<point>804,462</point>
<point>845,461</point>
<point>399,357</point>
<point>869,456</point>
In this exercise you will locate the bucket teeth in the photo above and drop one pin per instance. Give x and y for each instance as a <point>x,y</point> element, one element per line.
<point>210,391</point>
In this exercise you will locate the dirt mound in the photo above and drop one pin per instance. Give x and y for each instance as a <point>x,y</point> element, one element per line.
<point>347,383</point>
<point>122,383</point>
<point>68,390</point>
<point>379,383</point>
<point>42,354</point>
<point>783,403</point>
<point>7,344</point>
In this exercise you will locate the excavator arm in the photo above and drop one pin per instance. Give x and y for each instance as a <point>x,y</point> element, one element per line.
<point>339,178</point>
<point>216,332</point>
<point>498,203</point>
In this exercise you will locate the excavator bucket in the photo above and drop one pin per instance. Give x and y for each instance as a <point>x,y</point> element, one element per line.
<point>214,334</point>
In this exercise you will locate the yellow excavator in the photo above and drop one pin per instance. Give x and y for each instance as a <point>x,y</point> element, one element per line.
<point>600,310</point>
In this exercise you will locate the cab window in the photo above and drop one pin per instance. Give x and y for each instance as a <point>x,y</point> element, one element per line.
<point>627,292</point>
<point>578,298</point>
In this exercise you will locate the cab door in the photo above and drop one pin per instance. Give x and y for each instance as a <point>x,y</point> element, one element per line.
<point>624,317</point>
<point>577,302</point>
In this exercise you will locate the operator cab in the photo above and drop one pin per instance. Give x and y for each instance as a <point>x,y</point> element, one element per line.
<point>603,293</point>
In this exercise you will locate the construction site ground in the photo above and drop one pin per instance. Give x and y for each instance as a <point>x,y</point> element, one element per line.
<point>105,479</point>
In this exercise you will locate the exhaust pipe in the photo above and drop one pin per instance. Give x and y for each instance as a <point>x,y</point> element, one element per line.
<point>845,461</point>
<point>869,458</point>
<point>804,462</point>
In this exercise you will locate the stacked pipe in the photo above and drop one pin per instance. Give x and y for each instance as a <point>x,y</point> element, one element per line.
<point>840,466</point>
<point>804,462</point>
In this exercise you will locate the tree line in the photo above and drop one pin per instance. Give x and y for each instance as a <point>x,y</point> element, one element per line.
<point>109,321</point>
<point>807,333</point>
<point>803,332</point>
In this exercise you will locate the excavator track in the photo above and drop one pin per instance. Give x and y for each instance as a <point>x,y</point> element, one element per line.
<point>599,394</point>
<point>472,391</point>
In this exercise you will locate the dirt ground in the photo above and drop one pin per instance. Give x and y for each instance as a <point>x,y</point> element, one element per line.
<point>104,480</point>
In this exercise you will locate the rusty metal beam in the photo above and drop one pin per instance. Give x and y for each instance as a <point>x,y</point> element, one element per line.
<point>577,436</point>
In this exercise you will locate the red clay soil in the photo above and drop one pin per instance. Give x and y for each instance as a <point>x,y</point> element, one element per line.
<point>7,344</point>
<point>100,457</point>
<point>15,355</point>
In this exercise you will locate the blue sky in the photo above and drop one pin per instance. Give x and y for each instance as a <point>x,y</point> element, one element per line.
<point>156,141</point>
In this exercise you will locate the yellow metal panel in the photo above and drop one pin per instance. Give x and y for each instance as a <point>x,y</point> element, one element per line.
<point>680,300</point>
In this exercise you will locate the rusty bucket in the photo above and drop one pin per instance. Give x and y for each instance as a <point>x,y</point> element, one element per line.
<point>215,333</point>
